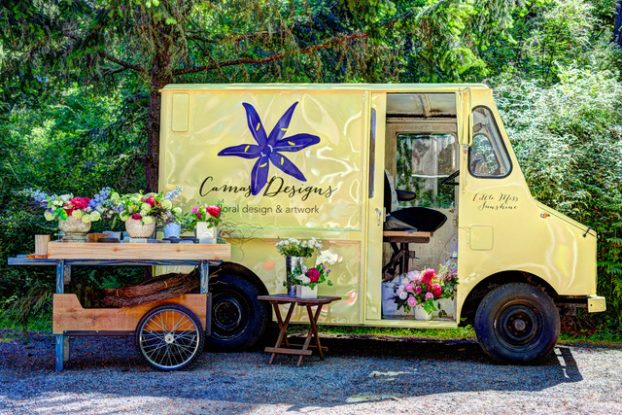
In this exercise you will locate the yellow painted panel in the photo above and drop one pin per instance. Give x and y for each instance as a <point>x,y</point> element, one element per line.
<point>180,112</point>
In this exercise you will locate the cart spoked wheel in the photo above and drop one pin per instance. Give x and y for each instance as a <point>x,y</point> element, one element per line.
<point>170,337</point>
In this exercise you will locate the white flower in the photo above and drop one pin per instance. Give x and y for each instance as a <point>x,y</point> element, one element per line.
<point>147,220</point>
<point>402,294</point>
<point>77,214</point>
<point>48,215</point>
<point>305,279</point>
<point>327,257</point>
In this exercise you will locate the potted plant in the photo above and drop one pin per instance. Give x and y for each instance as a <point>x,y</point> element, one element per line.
<point>295,251</point>
<point>205,219</point>
<point>308,279</point>
<point>418,291</point>
<point>74,214</point>
<point>171,218</point>
<point>140,212</point>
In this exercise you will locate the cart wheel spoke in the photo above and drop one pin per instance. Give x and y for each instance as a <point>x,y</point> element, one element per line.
<point>169,337</point>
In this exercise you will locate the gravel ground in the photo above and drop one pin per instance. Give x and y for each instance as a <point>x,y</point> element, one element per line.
<point>359,376</point>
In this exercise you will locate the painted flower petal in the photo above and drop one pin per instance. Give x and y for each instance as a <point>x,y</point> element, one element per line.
<point>254,124</point>
<point>296,142</point>
<point>281,126</point>
<point>247,151</point>
<point>259,175</point>
<point>284,164</point>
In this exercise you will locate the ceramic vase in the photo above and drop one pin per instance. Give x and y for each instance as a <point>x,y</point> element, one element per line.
<point>302,291</point>
<point>74,229</point>
<point>205,233</point>
<point>421,314</point>
<point>137,229</point>
<point>291,263</point>
<point>172,230</point>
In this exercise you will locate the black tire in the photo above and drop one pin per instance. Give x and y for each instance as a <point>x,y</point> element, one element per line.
<point>173,348</point>
<point>239,319</point>
<point>517,323</point>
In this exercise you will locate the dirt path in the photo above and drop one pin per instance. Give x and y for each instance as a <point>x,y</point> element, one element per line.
<point>364,376</point>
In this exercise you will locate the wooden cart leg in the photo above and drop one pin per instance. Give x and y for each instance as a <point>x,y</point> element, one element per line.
<point>283,326</point>
<point>312,332</point>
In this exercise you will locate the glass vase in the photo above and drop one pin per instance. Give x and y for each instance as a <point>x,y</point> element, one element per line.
<point>291,263</point>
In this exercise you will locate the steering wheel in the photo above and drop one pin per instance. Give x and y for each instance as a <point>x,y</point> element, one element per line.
<point>449,179</point>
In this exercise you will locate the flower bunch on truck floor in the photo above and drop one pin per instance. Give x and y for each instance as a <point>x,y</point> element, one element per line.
<point>61,207</point>
<point>212,214</point>
<point>311,277</point>
<point>423,288</point>
<point>299,248</point>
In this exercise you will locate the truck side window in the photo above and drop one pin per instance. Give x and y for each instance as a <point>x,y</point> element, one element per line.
<point>488,156</point>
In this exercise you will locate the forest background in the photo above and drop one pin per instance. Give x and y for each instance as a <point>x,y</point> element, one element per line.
<point>79,102</point>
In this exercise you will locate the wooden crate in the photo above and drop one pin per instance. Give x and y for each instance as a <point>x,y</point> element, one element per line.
<point>137,251</point>
<point>69,315</point>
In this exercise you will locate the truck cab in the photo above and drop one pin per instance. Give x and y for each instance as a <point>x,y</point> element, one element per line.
<point>395,179</point>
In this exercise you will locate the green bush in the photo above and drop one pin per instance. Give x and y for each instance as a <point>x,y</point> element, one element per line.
<point>568,139</point>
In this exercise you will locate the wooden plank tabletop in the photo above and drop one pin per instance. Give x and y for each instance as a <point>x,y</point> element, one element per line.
<point>415,234</point>
<point>137,251</point>
<point>284,298</point>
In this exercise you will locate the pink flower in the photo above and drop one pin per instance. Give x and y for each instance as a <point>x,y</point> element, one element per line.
<point>136,216</point>
<point>150,200</point>
<point>428,274</point>
<point>412,302</point>
<point>437,290</point>
<point>418,289</point>
<point>195,209</point>
<point>410,288</point>
<point>77,203</point>
<point>429,296</point>
<point>313,274</point>
<point>213,210</point>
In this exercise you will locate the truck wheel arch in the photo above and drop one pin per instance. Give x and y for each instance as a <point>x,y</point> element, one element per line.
<point>242,271</point>
<point>477,293</point>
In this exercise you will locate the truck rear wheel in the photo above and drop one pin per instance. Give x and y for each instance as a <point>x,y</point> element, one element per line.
<point>238,317</point>
<point>517,322</point>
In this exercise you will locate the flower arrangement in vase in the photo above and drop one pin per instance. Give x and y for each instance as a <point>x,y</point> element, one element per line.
<point>295,251</point>
<point>308,279</point>
<point>421,291</point>
<point>74,214</point>
<point>140,212</point>
<point>205,220</point>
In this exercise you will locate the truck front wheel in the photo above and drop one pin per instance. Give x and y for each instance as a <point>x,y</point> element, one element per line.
<point>517,322</point>
<point>238,317</point>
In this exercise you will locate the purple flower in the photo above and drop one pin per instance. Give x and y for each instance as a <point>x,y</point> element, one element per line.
<point>269,148</point>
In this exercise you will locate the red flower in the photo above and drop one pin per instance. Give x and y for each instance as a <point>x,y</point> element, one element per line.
<point>136,216</point>
<point>428,274</point>
<point>150,200</point>
<point>213,210</point>
<point>313,274</point>
<point>437,290</point>
<point>79,203</point>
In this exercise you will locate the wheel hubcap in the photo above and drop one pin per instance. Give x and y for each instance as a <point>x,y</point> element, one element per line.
<point>227,314</point>
<point>518,325</point>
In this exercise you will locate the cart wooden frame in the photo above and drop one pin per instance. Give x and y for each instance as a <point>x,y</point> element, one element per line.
<point>71,319</point>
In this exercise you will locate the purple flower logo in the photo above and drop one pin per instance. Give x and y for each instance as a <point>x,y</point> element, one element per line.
<point>269,148</point>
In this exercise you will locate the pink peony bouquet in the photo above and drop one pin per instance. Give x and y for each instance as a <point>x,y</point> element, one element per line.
<point>423,288</point>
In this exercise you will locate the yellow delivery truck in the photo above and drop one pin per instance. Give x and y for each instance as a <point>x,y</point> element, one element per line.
<point>393,178</point>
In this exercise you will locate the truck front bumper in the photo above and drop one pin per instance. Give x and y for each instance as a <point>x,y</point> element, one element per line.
<point>596,304</point>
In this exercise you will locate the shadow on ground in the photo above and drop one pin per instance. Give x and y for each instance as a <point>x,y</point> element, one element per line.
<point>356,370</point>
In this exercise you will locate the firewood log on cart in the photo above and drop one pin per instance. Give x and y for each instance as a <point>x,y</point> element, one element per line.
<point>157,288</point>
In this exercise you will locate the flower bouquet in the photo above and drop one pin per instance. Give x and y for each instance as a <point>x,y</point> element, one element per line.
<point>205,219</point>
<point>74,214</point>
<point>295,251</point>
<point>308,279</point>
<point>140,212</point>
<point>418,290</point>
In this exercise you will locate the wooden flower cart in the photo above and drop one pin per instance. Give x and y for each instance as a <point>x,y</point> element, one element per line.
<point>169,333</point>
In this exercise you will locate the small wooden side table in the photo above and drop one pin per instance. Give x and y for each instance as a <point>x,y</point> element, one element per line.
<point>313,333</point>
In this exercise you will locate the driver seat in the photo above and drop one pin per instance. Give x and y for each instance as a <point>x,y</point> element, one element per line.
<point>415,218</point>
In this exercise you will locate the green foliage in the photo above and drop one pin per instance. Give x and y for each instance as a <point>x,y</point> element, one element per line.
<point>568,139</point>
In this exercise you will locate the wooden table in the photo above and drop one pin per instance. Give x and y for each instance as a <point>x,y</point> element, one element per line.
<point>69,318</point>
<point>309,303</point>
